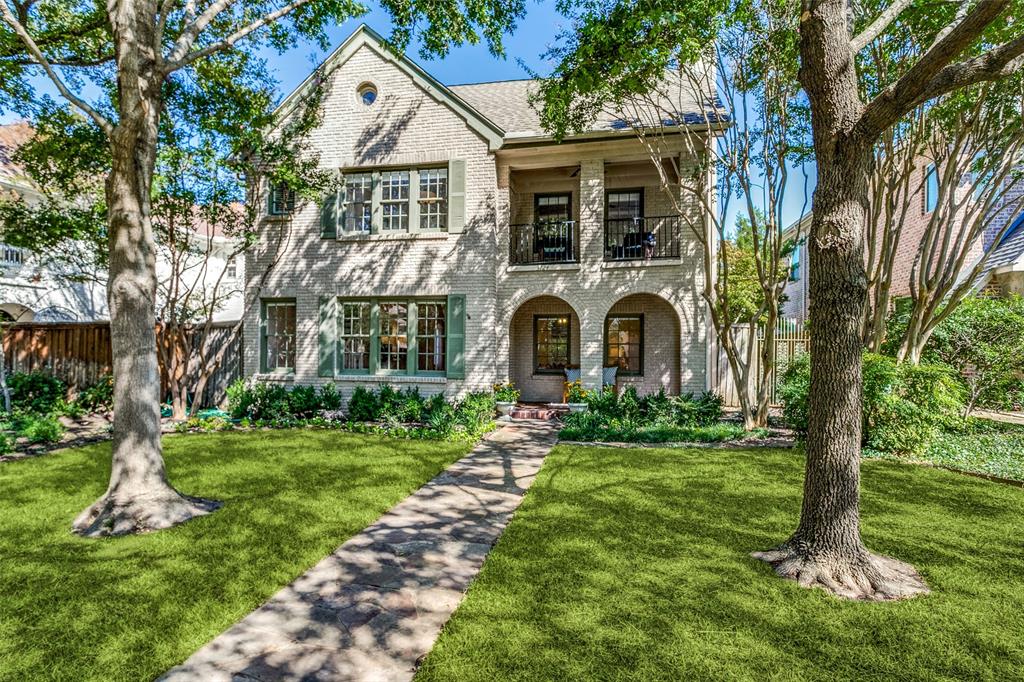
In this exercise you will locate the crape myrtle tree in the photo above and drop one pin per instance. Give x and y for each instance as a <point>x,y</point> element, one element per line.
<point>745,151</point>
<point>618,47</point>
<point>128,51</point>
<point>972,138</point>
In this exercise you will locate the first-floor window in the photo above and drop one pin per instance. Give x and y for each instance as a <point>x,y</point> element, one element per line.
<point>551,343</point>
<point>278,326</point>
<point>430,336</point>
<point>624,343</point>
<point>394,336</point>
<point>354,335</point>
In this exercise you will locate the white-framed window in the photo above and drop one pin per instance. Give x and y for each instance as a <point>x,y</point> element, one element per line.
<point>433,199</point>
<point>354,335</point>
<point>392,336</point>
<point>282,199</point>
<point>357,209</point>
<point>931,188</point>
<point>394,201</point>
<point>231,268</point>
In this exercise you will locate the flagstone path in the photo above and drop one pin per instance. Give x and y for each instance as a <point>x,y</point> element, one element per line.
<point>373,608</point>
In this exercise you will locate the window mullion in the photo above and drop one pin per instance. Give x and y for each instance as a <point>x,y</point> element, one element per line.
<point>414,200</point>
<point>410,336</point>
<point>374,336</point>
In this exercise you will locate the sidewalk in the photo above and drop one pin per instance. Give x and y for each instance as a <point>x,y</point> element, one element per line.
<point>373,608</point>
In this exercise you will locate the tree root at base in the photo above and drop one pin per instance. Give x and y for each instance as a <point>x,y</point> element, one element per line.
<point>867,576</point>
<point>122,515</point>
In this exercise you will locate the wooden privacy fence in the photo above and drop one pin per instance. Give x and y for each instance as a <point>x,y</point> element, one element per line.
<point>79,354</point>
<point>791,339</point>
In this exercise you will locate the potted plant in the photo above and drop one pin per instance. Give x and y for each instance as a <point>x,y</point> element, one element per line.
<point>505,397</point>
<point>576,396</point>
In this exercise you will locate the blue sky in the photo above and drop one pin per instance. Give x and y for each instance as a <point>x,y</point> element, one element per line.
<point>466,64</point>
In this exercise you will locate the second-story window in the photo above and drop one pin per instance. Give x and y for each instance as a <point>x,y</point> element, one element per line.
<point>231,269</point>
<point>358,203</point>
<point>552,208</point>
<point>433,199</point>
<point>624,205</point>
<point>394,201</point>
<point>931,188</point>
<point>282,199</point>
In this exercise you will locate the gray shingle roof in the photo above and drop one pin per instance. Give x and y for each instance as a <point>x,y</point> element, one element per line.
<point>507,104</point>
<point>1009,251</point>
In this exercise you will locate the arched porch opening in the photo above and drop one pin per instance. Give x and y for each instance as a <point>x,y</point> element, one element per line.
<point>641,339</point>
<point>544,339</point>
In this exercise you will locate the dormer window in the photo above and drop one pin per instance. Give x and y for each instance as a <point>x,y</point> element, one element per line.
<point>282,199</point>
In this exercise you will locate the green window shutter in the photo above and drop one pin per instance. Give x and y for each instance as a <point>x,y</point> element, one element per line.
<point>456,195</point>
<point>456,342</point>
<point>329,217</point>
<point>328,335</point>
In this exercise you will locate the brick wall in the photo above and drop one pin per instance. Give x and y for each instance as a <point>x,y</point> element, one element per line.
<point>408,126</point>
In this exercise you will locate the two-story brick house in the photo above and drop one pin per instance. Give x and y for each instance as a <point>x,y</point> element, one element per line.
<point>466,247</point>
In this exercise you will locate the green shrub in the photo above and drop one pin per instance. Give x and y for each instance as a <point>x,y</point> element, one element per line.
<point>363,406</point>
<point>6,444</point>
<point>41,429</point>
<point>903,406</point>
<point>258,402</point>
<point>303,401</point>
<point>652,418</point>
<point>330,399</point>
<point>475,412</point>
<point>35,392</point>
<point>99,397</point>
<point>439,415</point>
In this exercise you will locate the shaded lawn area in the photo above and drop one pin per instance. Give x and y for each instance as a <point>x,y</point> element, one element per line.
<point>634,564</point>
<point>129,608</point>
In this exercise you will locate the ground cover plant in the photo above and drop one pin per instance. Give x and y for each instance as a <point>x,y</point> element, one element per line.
<point>653,418</point>
<point>634,564</point>
<point>38,401</point>
<point>128,608</point>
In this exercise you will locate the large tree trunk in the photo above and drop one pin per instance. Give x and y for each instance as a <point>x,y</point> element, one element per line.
<point>826,550</point>
<point>138,497</point>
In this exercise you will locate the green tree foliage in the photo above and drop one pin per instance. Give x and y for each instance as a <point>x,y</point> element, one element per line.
<point>982,340</point>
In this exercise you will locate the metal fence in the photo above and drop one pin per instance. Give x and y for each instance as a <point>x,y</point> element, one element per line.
<point>647,238</point>
<point>546,242</point>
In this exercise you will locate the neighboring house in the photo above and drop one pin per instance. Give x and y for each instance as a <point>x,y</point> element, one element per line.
<point>466,247</point>
<point>35,288</point>
<point>32,288</point>
<point>1003,271</point>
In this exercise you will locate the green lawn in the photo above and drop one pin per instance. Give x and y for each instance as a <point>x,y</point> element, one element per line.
<point>129,608</point>
<point>634,564</point>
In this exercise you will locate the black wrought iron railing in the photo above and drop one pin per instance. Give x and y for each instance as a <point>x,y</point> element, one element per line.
<point>547,242</point>
<point>644,238</point>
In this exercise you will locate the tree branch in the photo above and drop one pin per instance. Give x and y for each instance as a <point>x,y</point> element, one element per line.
<point>997,63</point>
<point>177,61</point>
<point>34,50</point>
<point>879,25</point>
<point>916,84</point>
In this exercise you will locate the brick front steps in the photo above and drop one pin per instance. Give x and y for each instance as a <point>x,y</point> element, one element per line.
<point>545,412</point>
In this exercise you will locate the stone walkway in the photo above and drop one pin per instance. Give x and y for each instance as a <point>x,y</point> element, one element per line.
<point>373,608</point>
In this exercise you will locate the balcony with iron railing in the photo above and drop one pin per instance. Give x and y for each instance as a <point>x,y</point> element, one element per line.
<point>545,242</point>
<point>11,258</point>
<point>646,238</point>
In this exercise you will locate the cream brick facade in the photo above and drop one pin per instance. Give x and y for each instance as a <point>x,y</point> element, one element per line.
<point>416,122</point>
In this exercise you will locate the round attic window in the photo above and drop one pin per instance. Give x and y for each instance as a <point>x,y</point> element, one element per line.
<point>367,93</point>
